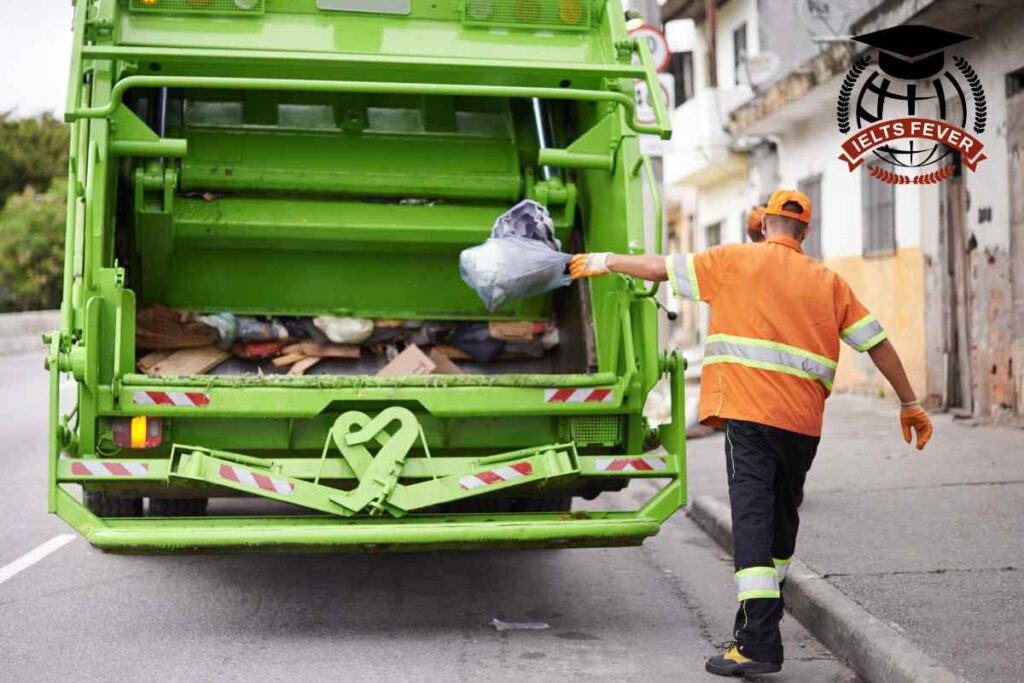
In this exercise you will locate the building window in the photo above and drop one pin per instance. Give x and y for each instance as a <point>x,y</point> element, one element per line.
<point>681,68</point>
<point>713,235</point>
<point>811,186</point>
<point>878,207</point>
<point>739,54</point>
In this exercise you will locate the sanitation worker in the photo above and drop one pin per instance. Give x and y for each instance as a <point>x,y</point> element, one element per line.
<point>755,224</point>
<point>777,317</point>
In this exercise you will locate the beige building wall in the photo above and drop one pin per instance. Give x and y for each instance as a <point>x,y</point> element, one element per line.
<point>892,288</point>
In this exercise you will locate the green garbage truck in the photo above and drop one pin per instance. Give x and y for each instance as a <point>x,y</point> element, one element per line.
<point>294,159</point>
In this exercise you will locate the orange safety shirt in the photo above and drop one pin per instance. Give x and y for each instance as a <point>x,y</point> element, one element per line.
<point>777,316</point>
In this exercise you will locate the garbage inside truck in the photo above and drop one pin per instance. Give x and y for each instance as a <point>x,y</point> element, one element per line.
<point>263,298</point>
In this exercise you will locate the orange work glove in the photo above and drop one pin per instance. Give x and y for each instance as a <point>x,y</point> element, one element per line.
<point>589,265</point>
<point>913,416</point>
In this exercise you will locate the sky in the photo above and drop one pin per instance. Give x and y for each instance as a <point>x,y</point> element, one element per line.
<point>35,52</point>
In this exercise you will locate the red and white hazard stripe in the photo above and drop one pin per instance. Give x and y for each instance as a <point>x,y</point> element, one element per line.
<point>496,476</point>
<point>579,395</point>
<point>188,399</point>
<point>97,468</point>
<point>241,475</point>
<point>631,464</point>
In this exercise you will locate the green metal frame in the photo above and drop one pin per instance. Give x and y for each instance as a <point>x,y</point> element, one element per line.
<point>121,170</point>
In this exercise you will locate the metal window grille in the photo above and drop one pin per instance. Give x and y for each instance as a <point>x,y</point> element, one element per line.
<point>811,187</point>
<point>739,53</point>
<point>878,208</point>
<point>713,235</point>
<point>681,67</point>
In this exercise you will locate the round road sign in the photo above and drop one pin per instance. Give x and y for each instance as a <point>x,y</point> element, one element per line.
<point>659,46</point>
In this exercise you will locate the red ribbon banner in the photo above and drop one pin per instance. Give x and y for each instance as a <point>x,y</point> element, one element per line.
<point>884,132</point>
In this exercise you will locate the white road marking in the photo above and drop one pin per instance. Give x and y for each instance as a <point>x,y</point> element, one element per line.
<point>35,555</point>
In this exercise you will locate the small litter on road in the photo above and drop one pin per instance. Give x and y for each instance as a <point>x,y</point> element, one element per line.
<point>500,625</point>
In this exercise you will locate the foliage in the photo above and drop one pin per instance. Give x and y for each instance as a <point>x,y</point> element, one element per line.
<point>32,248</point>
<point>33,166</point>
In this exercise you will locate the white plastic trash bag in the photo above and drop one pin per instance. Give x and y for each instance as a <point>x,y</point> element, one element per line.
<point>508,268</point>
<point>344,330</point>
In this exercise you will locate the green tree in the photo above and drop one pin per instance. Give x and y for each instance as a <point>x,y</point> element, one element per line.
<point>33,151</point>
<point>32,248</point>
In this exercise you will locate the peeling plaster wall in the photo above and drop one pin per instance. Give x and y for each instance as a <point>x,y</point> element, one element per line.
<point>996,52</point>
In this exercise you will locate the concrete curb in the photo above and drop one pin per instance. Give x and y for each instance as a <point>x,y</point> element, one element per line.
<point>22,332</point>
<point>875,651</point>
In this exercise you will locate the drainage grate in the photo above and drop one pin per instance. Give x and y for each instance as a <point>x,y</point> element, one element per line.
<point>552,15</point>
<point>595,430</point>
<point>246,7</point>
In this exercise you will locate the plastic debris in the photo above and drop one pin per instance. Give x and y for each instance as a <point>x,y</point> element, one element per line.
<point>345,330</point>
<point>500,625</point>
<point>510,268</point>
<point>254,329</point>
<point>527,219</point>
<point>226,325</point>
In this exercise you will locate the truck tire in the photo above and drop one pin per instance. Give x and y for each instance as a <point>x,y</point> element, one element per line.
<point>177,507</point>
<point>102,505</point>
<point>544,504</point>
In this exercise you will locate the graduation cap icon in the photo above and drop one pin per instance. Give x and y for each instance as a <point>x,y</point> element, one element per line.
<point>911,51</point>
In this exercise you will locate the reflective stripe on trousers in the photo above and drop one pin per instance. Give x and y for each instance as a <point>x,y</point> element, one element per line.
<point>781,567</point>
<point>769,355</point>
<point>756,582</point>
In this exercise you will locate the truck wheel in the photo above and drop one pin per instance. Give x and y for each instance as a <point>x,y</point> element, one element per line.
<point>544,504</point>
<point>177,507</point>
<point>102,505</point>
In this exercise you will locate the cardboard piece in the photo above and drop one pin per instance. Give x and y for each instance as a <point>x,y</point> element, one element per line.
<point>444,365</point>
<point>451,353</point>
<point>512,330</point>
<point>146,363</point>
<point>310,348</point>
<point>412,361</point>
<point>190,361</point>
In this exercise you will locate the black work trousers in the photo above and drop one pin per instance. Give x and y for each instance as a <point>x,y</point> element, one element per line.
<point>766,467</point>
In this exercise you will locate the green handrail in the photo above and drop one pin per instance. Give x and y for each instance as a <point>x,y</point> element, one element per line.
<point>659,222</point>
<point>363,87</point>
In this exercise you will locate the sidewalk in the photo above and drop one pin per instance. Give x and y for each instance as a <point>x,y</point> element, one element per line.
<point>931,542</point>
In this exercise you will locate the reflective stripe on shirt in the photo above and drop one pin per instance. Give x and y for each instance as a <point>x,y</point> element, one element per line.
<point>864,334</point>
<point>769,355</point>
<point>682,275</point>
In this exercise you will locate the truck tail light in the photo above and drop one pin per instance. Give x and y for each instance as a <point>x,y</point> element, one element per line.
<point>138,432</point>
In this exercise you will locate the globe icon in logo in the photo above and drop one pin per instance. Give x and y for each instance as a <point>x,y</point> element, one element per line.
<point>940,98</point>
<point>909,108</point>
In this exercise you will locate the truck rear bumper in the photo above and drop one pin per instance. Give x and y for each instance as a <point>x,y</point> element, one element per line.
<point>330,534</point>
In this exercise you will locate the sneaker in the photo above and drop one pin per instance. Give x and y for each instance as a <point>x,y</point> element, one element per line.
<point>732,663</point>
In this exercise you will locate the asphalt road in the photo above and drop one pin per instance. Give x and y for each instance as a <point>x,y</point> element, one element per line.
<point>637,614</point>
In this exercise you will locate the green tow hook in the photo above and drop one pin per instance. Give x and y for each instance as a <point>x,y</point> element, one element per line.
<point>378,475</point>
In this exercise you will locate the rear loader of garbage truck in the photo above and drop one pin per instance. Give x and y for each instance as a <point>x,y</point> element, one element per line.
<point>322,162</point>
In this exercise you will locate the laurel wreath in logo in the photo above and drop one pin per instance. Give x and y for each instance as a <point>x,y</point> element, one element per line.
<point>977,92</point>
<point>887,176</point>
<point>846,92</point>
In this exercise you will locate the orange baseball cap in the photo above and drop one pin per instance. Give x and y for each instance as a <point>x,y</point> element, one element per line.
<point>781,197</point>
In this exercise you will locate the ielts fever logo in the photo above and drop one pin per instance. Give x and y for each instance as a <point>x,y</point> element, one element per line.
<point>911,110</point>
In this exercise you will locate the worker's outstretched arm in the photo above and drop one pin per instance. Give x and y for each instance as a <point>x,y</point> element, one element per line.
<point>912,415</point>
<point>645,267</point>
